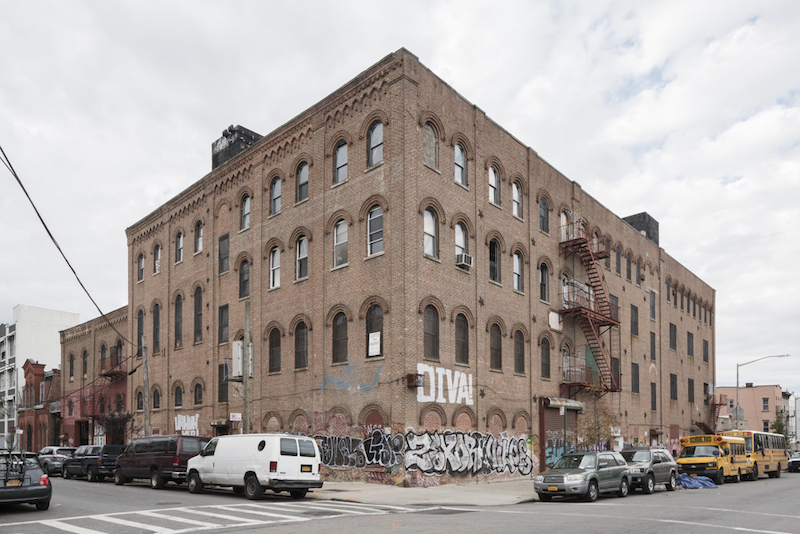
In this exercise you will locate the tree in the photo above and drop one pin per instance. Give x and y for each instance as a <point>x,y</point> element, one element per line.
<point>118,426</point>
<point>778,425</point>
<point>595,423</point>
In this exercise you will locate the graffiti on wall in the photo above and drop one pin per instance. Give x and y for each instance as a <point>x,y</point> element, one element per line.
<point>452,453</point>
<point>187,424</point>
<point>444,386</point>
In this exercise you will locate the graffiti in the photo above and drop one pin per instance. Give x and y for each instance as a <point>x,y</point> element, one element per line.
<point>383,449</point>
<point>460,454</point>
<point>341,451</point>
<point>187,424</point>
<point>533,449</point>
<point>459,385</point>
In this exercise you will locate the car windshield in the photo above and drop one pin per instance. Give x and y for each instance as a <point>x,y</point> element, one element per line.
<point>795,455</point>
<point>576,461</point>
<point>699,451</point>
<point>65,452</point>
<point>636,456</point>
<point>14,460</point>
<point>113,450</point>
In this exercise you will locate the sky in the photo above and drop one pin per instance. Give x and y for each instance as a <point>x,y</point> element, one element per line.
<point>687,110</point>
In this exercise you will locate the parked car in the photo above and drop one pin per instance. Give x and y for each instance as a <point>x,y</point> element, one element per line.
<point>251,463</point>
<point>22,480</point>
<point>158,458</point>
<point>94,462</point>
<point>794,462</point>
<point>584,474</point>
<point>650,466</point>
<point>52,458</point>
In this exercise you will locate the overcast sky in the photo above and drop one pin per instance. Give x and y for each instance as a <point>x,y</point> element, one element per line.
<point>687,110</point>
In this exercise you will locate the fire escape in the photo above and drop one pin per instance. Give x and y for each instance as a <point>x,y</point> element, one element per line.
<point>588,302</point>
<point>715,404</point>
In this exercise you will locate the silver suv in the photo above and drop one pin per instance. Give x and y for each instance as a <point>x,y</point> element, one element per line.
<point>584,474</point>
<point>52,458</point>
<point>650,466</point>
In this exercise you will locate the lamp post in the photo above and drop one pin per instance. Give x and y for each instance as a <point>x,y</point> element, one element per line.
<point>737,379</point>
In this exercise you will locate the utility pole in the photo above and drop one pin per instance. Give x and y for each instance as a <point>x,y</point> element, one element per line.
<point>147,430</point>
<point>246,371</point>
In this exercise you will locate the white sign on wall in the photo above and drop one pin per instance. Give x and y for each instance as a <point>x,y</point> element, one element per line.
<point>236,417</point>
<point>374,344</point>
<point>438,381</point>
<point>187,424</point>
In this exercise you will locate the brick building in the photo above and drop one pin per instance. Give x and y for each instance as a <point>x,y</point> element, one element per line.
<point>95,364</point>
<point>411,268</point>
<point>760,406</point>
<point>39,412</point>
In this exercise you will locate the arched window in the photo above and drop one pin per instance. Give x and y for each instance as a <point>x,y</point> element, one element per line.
<point>198,315</point>
<point>274,268</point>
<point>179,248</point>
<point>496,348</point>
<point>516,199</point>
<point>274,351</point>
<point>102,404</point>
<point>494,261</point>
<point>139,332</point>
<point>461,239</point>
<point>430,245</point>
<point>494,186</point>
<point>544,292</point>
<point>638,272</point>
<point>302,182</point>
<point>462,339</point>
<point>374,331</point>
<point>117,359</point>
<point>71,366</point>
<point>628,266</point>
<point>156,328</point>
<point>275,196</point>
<point>139,401</point>
<point>375,231</point>
<point>519,353</point>
<point>375,152</point>
<point>71,407</point>
<point>245,213</point>
<point>198,237</point>
<point>157,259</point>
<point>340,243</point>
<point>301,346</point>
<point>178,397</point>
<point>544,216</point>
<point>618,258</point>
<point>518,280</point>
<point>431,329</point>
<point>431,146</point>
<point>460,174</point>
<point>198,394</point>
<point>140,268</point>
<point>244,279</point>
<point>302,258</point>
<point>340,338</point>
<point>546,358</point>
<point>178,322</point>
<point>340,163</point>
<point>156,399</point>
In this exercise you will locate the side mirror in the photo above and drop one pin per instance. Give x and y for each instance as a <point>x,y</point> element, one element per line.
<point>202,452</point>
<point>657,461</point>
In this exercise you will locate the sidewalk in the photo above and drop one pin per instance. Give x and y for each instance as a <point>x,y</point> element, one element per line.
<point>474,494</point>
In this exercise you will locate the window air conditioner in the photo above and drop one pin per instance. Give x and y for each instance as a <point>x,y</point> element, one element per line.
<point>463,260</point>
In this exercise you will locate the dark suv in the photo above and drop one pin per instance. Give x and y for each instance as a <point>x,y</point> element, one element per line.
<point>158,458</point>
<point>650,466</point>
<point>94,462</point>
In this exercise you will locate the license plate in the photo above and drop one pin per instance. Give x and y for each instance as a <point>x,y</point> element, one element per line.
<point>13,483</point>
<point>552,488</point>
<point>305,468</point>
<point>692,474</point>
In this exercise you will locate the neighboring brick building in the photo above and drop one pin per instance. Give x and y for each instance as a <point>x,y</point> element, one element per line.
<point>39,413</point>
<point>95,363</point>
<point>411,267</point>
<point>760,406</point>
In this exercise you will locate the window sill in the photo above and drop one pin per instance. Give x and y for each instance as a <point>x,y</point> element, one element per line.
<point>299,369</point>
<point>432,258</point>
<point>495,205</point>
<point>544,233</point>
<point>271,215</point>
<point>545,302</point>
<point>431,168</point>
<point>461,364</point>
<point>378,358</point>
<point>338,364</point>
<point>242,299</point>
<point>496,371</point>
<point>342,266</point>
<point>518,292</point>
<point>178,348</point>
<point>517,217</point>
<point>373,167</point>
<point>464,270</point>
<point>198,252</point>
<point>273,373</point>
<point>519,374</point>
<point>300,280</point>
<point>376,255</point>
<point>140,281</point>
<point>426,359</point>
<point>157,272</point>
<point>337,184</point>
<point>273,288</point>
<point>459,184</point>
<point>244,230</point>
<point>546,378</point>
<point>224,272</point>
<point>498,284</point>
<point>301,202</point>
<point>178,262</point>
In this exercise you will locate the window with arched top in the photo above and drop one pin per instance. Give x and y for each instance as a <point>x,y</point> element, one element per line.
<point>460,173</point>
<point>198,394</point>
<point>494,186</point>
<point>495,348</point>
<point>461,239</point>
<point>516,199</point>
<point>430,244</point>
<point>302,258</point>
<point>544,216</point>
<point>156,399</point>
<point>519,353</point>
<point>179,247</point>
<point>374,331</point>
<point>244,211</point>
<point>302,182</point>
<point>628,266</point>
<point>375,231</point>
<point>340,338</point>
<point>244,279</point>
<point>618,257</point>
<point>156,329</point>
<point>494,260</point>
<point>462,339</point>
<point>340,243</point>
<point>275,196</point>
<point>178,396</point>
<point>275,351</point>
<point>545,346</point>
<point>274,268</point>
<point>431,146</point>
<point>301,346</point>
<point>157,259</point>
<point>544,291</point>
<point>139,401</point>
<point>140,268</point>
<point>198,237</point>
<point>518,279</point>
<point>340,163</point>
<point>178,321</point>
<point>375,149</point>
<point>198,315</point>
<point>139,332</point>
<point>431,333</point>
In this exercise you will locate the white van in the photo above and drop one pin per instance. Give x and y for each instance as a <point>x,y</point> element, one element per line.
<point>251,463</point>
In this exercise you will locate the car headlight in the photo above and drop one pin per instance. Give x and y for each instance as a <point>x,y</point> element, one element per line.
<point>573,478</point>
<point>636,470</point>
<point>539,478</point>
<point>712,464</point>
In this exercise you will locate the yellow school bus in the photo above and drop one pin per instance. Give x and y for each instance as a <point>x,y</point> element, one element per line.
<point>767,451</point>
<point>715,456</point>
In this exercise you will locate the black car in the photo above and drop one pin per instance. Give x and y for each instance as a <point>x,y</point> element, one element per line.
<point>22,480</point>
<point>94,462</point>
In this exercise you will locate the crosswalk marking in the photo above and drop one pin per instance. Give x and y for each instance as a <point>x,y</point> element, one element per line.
<point>230,517</point>
<point>159,515</point>
<point>67,527</point>
<point>126,523</point>
<point>268,514</point>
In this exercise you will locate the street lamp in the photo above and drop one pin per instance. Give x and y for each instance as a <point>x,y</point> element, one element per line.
<point>737,379</point>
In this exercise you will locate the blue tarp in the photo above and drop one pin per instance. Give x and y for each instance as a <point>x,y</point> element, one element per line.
<point>695,482</point>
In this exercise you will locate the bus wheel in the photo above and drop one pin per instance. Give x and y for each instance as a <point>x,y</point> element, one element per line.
<point>720,477</point>
<point>778,471</point>
<point>754,474</point>
<point>737,477</point>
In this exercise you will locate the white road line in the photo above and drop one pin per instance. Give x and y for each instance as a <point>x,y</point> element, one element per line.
<point>67,527</point>
<point>177,519</point>
<point>240,521</point>
<point>268,514</point>
<point>134,524</point>
<point>333,508</point>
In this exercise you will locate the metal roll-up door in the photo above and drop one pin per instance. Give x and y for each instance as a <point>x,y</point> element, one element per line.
<point>553,439</point>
